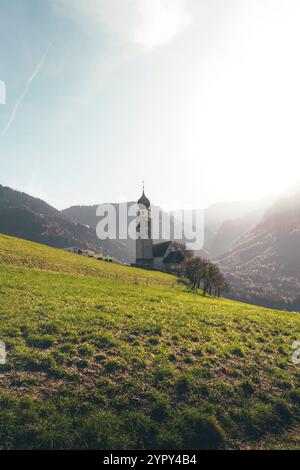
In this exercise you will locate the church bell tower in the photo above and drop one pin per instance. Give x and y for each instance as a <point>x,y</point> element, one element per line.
<point>144,244</point>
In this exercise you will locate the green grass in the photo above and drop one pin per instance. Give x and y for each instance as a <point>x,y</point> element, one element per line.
<point>100,363</point>
<point>17,252</point>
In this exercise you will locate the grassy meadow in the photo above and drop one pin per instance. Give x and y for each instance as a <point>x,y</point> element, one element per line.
<point>102,356</point>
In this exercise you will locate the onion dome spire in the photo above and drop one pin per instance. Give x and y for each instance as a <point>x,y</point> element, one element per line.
<point>144,200</point>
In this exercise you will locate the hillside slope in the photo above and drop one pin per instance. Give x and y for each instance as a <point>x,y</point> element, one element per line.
<point>224,223</point>
<point>97,363</point>
<point>32,219</point>
<point>122,250</point>
<point>231,231</point>
<point>24,254</point>
<point>264,267</point>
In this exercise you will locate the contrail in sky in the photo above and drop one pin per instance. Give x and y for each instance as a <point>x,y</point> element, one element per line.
<point>35,73</point>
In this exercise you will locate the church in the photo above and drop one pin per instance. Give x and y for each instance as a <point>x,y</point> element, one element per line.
<point>163,256</point>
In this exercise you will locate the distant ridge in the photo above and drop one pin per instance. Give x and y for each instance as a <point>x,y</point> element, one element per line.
<point>30,218</point>
<point>264,266</point>
<point>262,262</point>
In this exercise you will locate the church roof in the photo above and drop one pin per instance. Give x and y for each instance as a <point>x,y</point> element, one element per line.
<point>159,249</point>
<point>144,200</point>
<point>174,257</point>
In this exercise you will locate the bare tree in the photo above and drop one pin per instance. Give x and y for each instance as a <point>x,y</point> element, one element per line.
<point>205,275</point>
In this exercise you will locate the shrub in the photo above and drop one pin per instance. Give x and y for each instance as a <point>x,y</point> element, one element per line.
<point>100,357</point>
<point>103,341</point>
<point>67,348</point>
<point>156,331</point>
<point>247,387</point>
<point>60,373</point>
<point>200,432</point>
<point>159,410</point>
<point>163,374</point>
<point>104,431</point>
<point>282,409</point>
<point>295,395</point>
<point>113,365</point>
<point>261,418</point>
<point>40,341</point>
<point>82,364</point>
<point>237,350</point>
<point>168,440</point>
<point>188,360</point>
<point>86,350</point>
<point>48,329</point>
<point>34,362</point>
<point>172,357</point>
<point>143,429</point>
<point>182,385</point>
<point>59,357</point>
<point>153,341</point>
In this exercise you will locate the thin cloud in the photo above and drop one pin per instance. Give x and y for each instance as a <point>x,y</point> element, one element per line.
<point>160,22</point>
<point>131,28</point>
<point>35,73</point>
<point>139,24</point>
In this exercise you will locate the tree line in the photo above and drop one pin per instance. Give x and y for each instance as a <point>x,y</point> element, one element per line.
<point>203,274</point>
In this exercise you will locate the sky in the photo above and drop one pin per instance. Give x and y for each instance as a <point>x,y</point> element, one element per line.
<point>198,98</point>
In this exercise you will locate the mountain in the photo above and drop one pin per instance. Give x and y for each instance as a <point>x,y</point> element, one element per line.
<point>226,222</point>
<point>219,212</point>
<point>122,249</point>
<point>32,219</point>
<point>231,231</point>
<point>264,266</point>
<point>262,262</point>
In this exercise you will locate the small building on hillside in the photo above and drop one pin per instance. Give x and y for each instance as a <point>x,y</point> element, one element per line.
<point>164,256</point>
<point>167,257</point>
